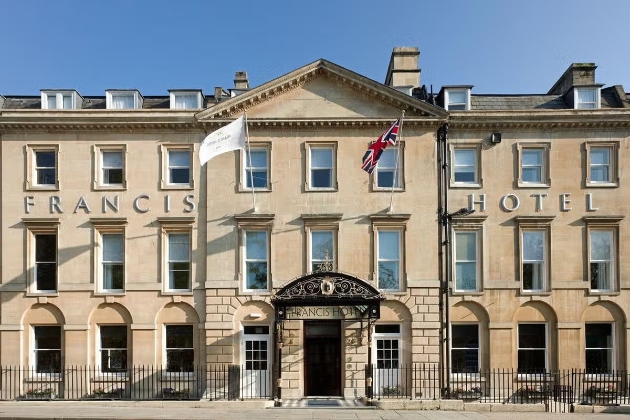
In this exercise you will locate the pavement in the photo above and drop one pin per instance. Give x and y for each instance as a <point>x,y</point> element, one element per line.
<point>176,410</point>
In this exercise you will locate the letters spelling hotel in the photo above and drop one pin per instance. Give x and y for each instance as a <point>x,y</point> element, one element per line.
<point>120,250</point>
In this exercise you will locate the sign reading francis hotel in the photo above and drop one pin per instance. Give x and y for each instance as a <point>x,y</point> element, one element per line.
<point>326,312</point>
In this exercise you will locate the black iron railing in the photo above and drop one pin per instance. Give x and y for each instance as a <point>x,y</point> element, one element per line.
<point>505,386</point>
<point>140,382</point>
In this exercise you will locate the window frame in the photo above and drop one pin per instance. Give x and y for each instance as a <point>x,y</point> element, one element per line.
<point>166,371</point>
<point>470,223</point>
<point>399,149</point>
<point>176,225</point>
<point>613,360</point>
<point>253,222</point>
<point>59,94</point>
<point>173,94</point>
<point>165,183</point>
<point>536,224</point>
<point>613,170</point>
<point>321,222</point>
<point>476,232</point>
<point>545,181</point>
<point>98,167</point>
<point>33,353</point>
<point>391,223</point>
<point>244,177</point>
<point>309,146</point>
<point>463,375</point>
<point>34,227</point>
<point>478,180</point>
<point>107,226</point>
<point>31,151</point>
<point>110,94</point>
<point>610,224</point>
<point>99,349</point>
<point>447,99</point>
<point>523,375</point>
<point>598,97</point>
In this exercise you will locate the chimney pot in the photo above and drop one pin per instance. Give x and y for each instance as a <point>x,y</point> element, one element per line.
<point>240,80</point>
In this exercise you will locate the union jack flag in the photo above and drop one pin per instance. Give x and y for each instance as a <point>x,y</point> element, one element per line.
<point>374,152</point>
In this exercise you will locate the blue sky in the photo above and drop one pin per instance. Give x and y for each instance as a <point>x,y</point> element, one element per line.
<point>499,46</point>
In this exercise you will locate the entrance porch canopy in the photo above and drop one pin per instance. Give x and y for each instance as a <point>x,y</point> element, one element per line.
<point>328,288</point>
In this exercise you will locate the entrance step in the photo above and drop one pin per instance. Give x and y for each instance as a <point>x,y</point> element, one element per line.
<point>324,402</point>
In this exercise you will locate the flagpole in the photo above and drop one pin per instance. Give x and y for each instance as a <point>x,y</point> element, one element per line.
<point>399,142</point>
<point>251,172</point>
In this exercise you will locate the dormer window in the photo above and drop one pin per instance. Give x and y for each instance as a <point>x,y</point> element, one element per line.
<point>60,99</point>
<point>188,99</point>
<point>587,98</point>
<point>457,99</point>
<point>123,99</point>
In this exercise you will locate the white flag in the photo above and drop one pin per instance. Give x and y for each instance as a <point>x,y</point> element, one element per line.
<point>225,139</point>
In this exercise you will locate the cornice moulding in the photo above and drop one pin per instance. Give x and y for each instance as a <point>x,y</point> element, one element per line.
<point>609,118</point>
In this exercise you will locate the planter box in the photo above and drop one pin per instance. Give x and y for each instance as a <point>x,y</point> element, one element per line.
<point>109,396</point>
<point>176,396</point>
<point>605,395</point>
<point>535,396</point>
<point>45,396</point>
<point>468,395</point>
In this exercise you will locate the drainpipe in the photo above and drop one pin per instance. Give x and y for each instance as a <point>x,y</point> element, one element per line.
<point>441,138</point>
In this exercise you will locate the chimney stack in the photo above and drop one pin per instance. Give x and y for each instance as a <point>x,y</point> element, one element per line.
<point>403,72</point>
<point>577,74</point>
<point>240,80</point>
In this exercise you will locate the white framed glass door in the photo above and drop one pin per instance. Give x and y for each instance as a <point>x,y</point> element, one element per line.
<point>387,356</point>
<point>255,356</point>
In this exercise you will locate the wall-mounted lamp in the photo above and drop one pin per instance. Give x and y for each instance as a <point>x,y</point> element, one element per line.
<point>255,315</point>
<point>495,138</point>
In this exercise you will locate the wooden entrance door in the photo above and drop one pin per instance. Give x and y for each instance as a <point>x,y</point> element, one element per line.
<point>322,358</point>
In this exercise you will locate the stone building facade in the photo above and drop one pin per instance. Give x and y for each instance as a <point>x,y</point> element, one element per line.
<point>119,249</point>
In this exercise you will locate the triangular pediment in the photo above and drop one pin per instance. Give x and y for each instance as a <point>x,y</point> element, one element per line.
<point>322,91</point>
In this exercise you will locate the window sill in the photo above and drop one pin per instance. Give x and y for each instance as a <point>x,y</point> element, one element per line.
<point>465,377</point>
<point>42,294</point>
<point>255,292</point>
<point>168,376</point>
<point>43,188</point>
<point>186,187</point>
<point>467,293</point>
<point>394,292</point>
<point>603,293</point>
<point>110,188</point>
<point>535,293</point>
<point>322,190</point>
<point>177,293</point>
<point>532,185</point>
<point>110,376</point>
<point>108,293</point>
<point>387,190</point>
<point>472,185</point>
<point>534,377</point>
<point>602,185</point>
<point>598,377</point>
<point>256,190</point>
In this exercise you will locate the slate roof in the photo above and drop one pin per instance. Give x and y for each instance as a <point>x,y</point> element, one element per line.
<point>95,102</point>
<point>516,102</point>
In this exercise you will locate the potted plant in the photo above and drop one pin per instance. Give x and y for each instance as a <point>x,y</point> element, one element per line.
<point>40,394</point>
<point>175,394</point>
<point>392,391</point>
<point>102,393</point>
<point>473,393</point>
<point>534,392</point>
<point>605,392</point>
